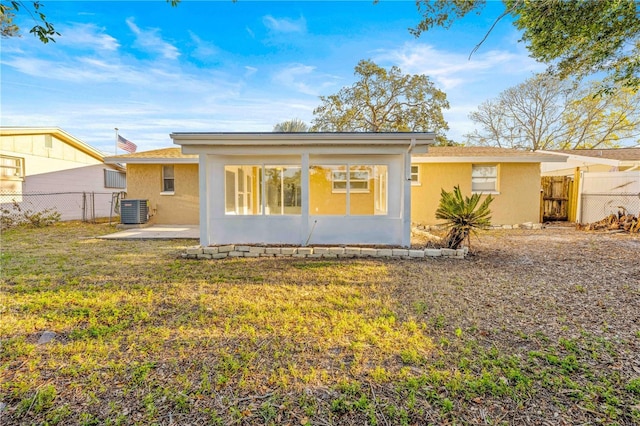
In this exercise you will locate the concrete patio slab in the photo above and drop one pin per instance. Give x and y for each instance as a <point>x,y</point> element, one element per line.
<point>165,232</point>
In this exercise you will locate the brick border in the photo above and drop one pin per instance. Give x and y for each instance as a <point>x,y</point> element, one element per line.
<point>233,250</point>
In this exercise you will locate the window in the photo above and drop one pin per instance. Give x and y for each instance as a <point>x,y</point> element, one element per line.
<point>115,179</point>
<point>357,179</point>
<point>260,189</point>
<point>11,168</point>
<point>48,141</point>
<point>354,190</point>
<point>282,191</point>
<point>415,174</point>
<point>168,179</point>
<point>380,182</point>
<point>484,178</point>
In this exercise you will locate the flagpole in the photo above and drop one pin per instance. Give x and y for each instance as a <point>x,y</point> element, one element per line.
<point>116,140</point>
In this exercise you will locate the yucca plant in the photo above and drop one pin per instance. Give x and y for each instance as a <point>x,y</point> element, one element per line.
<point>463,215</point>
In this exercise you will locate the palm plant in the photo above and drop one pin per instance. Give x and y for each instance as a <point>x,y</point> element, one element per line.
<point>463,215</point>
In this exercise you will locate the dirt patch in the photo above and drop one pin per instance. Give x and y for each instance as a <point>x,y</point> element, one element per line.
<point>555,279</point>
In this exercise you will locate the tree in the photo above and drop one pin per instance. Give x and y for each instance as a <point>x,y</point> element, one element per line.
<point>43,29</point>
<point>462,215</point>
<point>383,101</point>
<point>577,37</point>
<point>545,112</point>
<point>291,126</point>
<point>7,27</point>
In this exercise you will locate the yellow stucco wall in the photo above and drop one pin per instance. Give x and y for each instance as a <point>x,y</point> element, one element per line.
<point>144,181</point>
<point>518,200</point>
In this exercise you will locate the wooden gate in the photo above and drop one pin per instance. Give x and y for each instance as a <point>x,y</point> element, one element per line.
<point>555,197</point>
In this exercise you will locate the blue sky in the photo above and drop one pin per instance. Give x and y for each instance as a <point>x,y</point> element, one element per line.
<point>151,69</point>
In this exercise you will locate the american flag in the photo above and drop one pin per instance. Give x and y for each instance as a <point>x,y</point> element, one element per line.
<point>126,145</point>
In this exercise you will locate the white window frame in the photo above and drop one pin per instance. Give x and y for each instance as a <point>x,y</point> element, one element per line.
<point>415,176</point>
<point>485,179</point>
<point>232,180</point>
<point>350,181</point>
<point>13,171</point>
<point>165,179</point>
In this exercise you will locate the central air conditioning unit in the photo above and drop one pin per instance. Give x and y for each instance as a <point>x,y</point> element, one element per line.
<point>134,212</point>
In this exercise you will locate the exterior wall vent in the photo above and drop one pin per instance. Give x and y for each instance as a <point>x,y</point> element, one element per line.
<point>134,212</point>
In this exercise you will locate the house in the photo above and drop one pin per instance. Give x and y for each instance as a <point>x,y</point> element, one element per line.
<point>46,167</point>
<point>511,176</point>
<point>255,190</point>
<point>290,188</point>
<point>305,188</point>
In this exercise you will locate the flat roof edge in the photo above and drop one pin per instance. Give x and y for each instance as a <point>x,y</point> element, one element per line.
<point>302,139</point>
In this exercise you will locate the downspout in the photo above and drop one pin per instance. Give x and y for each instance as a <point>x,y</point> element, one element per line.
<point>406,206</point>
<point>409,150</point>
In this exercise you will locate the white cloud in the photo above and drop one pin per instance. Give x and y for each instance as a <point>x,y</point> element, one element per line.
<point>452,69</point>
<point>87,35</point>
<point>250,71</point>
<point>204,50</point>
<point>149,41</point>
<point>304,79</point>
<point>92,70</point>
<point>285,25</point>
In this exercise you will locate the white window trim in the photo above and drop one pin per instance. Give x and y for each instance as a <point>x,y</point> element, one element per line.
<point>496,189</point>
<point>335,190</point>
<point>163,192</point>
<point>416,182</point>
<point>19,169</point>
<point>261,201</point>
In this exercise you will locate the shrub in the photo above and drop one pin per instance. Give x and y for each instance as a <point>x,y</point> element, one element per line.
<point>16,215</point>
<point>463,215</point>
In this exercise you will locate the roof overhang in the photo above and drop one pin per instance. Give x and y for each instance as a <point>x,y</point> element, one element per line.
<point>490,159</point>
<point>583,159</point>
<point>158,160</point>
<point>293,143</point>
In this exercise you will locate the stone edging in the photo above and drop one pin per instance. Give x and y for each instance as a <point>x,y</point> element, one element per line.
<point>526,225</point>
<point>231,250</point>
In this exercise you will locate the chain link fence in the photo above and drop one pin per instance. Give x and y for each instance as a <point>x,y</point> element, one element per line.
<point>596,207</point>
<point>85,206</point>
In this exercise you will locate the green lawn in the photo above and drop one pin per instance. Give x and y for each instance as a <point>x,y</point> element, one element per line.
<point>146,337</point>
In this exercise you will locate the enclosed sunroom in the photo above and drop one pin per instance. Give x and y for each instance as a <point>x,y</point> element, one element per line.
<point>304,188</point>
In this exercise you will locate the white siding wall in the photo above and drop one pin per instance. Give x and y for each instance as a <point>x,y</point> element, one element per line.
<point>62,168</point>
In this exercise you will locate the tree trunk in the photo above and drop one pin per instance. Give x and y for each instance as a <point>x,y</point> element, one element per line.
<point>455,238</point>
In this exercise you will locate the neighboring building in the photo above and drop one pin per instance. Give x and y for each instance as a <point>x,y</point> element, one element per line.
<point>36,161</point>
<point>592,184</point>
<point>592,160</point>
<point>168,179</point>
<point>236,166</point>
<point>511,176</point>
